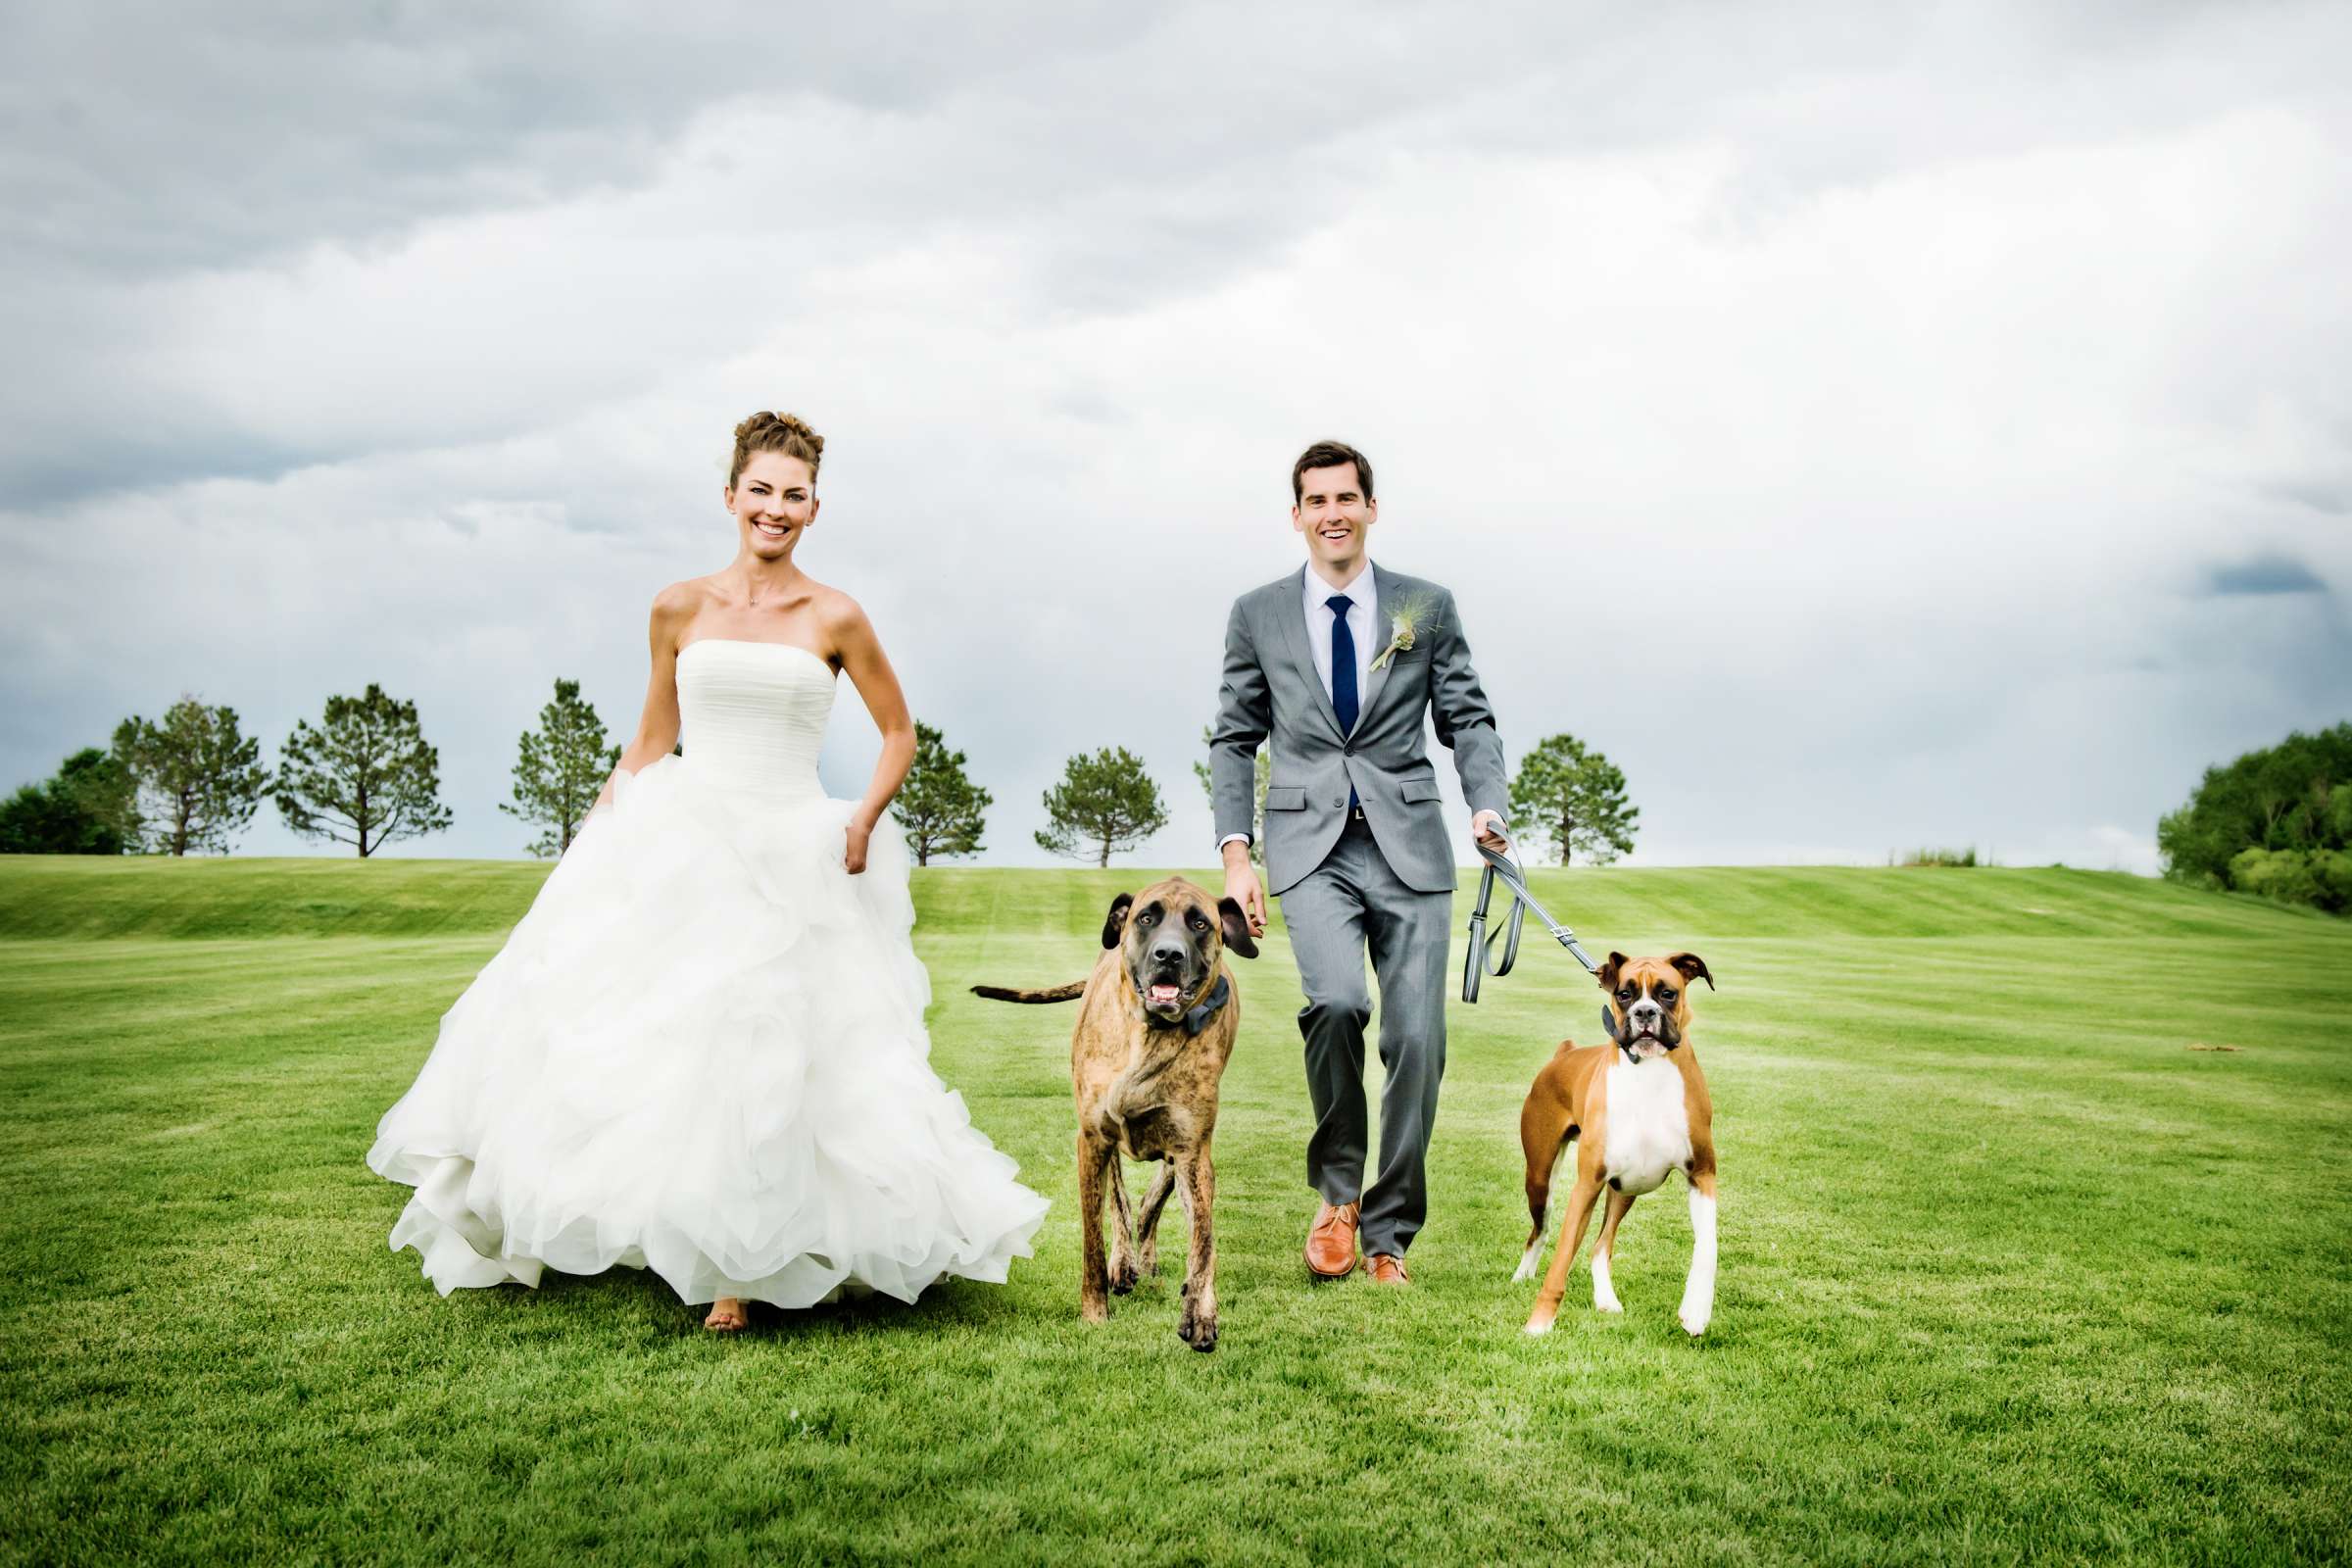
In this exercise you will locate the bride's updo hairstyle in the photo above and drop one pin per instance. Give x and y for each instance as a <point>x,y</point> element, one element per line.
<point>787,433</point>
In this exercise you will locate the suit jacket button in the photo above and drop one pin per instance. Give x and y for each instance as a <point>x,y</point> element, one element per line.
<point>1339,800</point>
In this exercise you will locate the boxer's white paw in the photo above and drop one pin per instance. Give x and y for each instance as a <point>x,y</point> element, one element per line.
<point>1527,1264</point>
<point>1538,1325</point>
<point>1694,1320</point>
<point>1607,1303</point>
<point>1604,1289</point>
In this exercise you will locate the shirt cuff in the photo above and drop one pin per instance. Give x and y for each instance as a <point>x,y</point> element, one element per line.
<point>1231,837</point>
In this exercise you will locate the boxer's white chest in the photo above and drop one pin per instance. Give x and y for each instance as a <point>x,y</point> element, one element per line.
<point>1647,1127</point>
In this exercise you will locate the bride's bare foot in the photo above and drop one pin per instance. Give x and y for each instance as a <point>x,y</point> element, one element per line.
<point>727,1315</point>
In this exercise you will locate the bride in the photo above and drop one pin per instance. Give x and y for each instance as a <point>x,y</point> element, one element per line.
<point>702,1050</point>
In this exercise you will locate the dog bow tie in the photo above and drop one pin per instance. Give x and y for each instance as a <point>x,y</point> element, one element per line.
<point>1196,1018</point>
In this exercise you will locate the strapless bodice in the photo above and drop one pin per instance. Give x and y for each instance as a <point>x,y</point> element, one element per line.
<point>702,1050</point>
<point>752,715</point>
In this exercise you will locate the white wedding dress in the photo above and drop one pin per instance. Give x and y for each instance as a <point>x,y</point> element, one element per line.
<point>702,1050</point>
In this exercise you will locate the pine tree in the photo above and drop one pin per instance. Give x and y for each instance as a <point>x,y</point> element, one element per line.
<point>199,779</point>
<point>939,805</point>
<point>561,767</point>
<point>363,777</point>
<point>1103,802</point>
<point>1568,797</point>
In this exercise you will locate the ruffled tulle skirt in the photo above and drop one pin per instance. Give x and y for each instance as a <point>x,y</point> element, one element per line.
<point>702,1051</point>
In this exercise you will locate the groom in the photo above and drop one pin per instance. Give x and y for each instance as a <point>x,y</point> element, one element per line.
<point>1333,665</point>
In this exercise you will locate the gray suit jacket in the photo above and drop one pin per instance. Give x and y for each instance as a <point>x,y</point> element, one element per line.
<point>1272,694</point>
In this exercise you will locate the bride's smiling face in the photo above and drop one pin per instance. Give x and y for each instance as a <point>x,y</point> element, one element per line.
<point>773,500</point>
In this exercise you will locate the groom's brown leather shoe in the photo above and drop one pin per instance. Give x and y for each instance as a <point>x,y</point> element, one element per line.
<point>1331,1244</point>
<point>1386,1268</point>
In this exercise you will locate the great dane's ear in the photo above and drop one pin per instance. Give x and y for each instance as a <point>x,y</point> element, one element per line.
<point>1235,926</point>
<point>1114,925</point>
<point>1609,970</point>
<point>1694,968</point>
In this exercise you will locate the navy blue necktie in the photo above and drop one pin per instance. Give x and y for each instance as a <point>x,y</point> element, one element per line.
<point>1343,670</point>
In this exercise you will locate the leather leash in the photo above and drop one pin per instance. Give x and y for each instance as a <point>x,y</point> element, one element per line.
<point>1479,961</point>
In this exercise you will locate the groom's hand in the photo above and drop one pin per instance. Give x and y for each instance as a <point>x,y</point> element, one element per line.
<point>1241,885</point>
<point>1486,829</point>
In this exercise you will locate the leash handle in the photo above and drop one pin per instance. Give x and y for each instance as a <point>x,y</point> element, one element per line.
<point>1479,960</point>
<point>1476,963</point>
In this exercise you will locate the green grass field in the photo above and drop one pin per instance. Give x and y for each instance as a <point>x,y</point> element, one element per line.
<point>2010,1268</point>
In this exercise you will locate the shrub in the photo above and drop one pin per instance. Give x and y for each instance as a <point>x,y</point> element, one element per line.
<point>2321,878</point>
<point>1924,856</point>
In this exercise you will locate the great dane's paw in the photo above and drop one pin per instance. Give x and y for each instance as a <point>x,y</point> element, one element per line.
<point>1095,1311</point>
<point>1149,1265</point>
<point>1199,1332</point>
<point>1122,1275</point>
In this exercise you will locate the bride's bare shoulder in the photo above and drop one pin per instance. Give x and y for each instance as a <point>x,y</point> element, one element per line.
<point>674,609</point>
<point>681,600</point>
<point>835,611</point>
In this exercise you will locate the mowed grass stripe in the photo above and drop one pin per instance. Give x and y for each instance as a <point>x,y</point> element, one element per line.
<point>73,897</point>
<point>2008,1271</point>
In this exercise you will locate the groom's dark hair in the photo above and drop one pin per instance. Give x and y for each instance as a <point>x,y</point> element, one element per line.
<point>1329,455</point>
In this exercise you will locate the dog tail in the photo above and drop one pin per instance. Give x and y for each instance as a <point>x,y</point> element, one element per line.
<point>1069,993</point>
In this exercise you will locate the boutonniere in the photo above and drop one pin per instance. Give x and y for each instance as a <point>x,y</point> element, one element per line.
<point>1410,619</point>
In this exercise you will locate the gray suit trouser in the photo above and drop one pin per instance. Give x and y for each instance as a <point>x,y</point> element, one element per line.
<point>1351,902</point>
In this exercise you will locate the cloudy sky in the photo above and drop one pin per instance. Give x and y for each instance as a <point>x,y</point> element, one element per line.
<point>1871,426</point>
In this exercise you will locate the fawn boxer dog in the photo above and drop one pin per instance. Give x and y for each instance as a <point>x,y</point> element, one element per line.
<point>1636,1109</point>
<point>1155,1026</point>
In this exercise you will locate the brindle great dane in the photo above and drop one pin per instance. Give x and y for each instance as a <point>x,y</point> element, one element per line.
<point>1155,1028</point>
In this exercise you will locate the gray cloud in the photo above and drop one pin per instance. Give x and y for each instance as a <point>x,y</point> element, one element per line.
<point>1092,161</point>
<point>150,138</point>
<point>2261,575</point>
<point>1909,405</point>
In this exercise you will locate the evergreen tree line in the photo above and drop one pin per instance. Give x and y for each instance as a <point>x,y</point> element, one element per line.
<point>2276,822</point>
<point>190,782</point>
<point>366,777</point>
